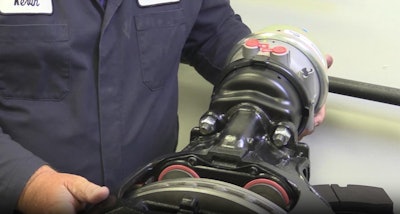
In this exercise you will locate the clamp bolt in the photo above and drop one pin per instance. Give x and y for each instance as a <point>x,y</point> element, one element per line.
<point>281,136</point>
<point>207,124</point>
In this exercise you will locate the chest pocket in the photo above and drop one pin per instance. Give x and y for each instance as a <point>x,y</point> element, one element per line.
<point>34,62</point>
<point>161,37</point>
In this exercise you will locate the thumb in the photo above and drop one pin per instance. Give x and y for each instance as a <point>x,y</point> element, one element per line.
<point>85,191</point>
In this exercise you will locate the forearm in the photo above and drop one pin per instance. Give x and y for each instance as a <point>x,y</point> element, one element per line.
<point>215,32</point>
<point>17,165</point>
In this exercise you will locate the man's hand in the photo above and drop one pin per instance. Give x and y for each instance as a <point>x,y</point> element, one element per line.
<point>319,117</point>
<point>48,191</point>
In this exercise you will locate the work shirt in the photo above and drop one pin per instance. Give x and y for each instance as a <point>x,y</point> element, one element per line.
<point>92,90</point>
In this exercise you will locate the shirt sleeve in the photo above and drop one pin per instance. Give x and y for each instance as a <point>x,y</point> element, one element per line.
<point>17,165</point>
<point>216,31</point>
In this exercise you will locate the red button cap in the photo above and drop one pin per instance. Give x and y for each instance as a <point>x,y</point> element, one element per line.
<point>279,50</point>
<point>252,43</point>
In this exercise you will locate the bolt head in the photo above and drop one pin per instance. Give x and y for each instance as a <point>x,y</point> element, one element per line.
<point>281,136</point>
<point>207,125</point>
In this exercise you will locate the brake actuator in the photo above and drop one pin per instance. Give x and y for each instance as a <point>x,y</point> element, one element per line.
<point>245,156</point>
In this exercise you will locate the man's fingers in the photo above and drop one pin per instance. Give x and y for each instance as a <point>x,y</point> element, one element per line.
<point>85,191</point>
<point>319,118</point>
<point>329,60</point>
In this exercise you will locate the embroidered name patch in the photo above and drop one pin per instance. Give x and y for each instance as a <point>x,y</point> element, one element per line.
<point>26,6</point>
<point>147,3</point>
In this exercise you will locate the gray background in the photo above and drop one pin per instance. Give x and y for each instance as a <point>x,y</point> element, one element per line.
<point>359,142</point>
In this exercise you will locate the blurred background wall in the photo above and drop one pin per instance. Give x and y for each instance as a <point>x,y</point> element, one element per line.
<point>359,142</point>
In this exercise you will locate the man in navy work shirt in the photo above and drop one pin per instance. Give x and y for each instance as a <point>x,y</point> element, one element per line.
<point>88,93</point>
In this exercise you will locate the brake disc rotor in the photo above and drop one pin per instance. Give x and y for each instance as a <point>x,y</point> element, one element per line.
<point>200,195</point>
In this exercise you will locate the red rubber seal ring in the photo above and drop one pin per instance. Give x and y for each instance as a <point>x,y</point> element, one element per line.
<point>183,168</point>
<point>268,182</point>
